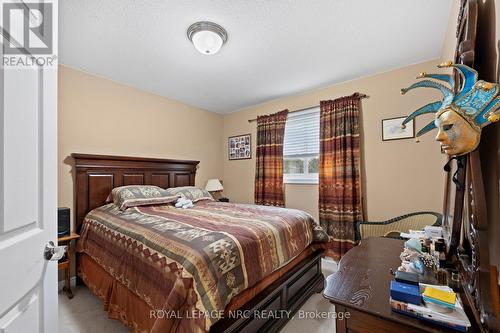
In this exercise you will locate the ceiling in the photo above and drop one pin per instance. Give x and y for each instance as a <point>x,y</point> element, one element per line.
<point>275,47</point>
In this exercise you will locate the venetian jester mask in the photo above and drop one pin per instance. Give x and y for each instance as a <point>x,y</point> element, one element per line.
<point>459,117</point>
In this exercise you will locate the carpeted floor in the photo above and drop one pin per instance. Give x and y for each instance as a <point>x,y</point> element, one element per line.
<point>84,313</point>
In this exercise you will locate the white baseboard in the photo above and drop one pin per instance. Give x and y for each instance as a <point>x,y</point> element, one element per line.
<point>72,283</point>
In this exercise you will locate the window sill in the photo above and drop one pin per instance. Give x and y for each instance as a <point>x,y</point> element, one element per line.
<point>301,181</point>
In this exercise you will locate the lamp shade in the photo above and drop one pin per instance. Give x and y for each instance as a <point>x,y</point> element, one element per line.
<point>213,185</point>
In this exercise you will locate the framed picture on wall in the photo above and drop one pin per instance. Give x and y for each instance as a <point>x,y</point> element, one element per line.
<point>392,130</point>
<point>239,147</point>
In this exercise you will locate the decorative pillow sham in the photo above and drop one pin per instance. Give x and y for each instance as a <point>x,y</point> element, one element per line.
<point>191,193</point>
<point>141,195</point>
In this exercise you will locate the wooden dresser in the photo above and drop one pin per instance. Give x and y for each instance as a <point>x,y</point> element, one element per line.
<point>360,287</point>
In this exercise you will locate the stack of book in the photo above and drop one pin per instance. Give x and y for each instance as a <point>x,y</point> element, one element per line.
<point>440,297</point>
<point>438,304</point>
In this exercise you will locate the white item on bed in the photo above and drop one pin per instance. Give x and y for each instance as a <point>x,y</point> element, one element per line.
<point>183,203</point>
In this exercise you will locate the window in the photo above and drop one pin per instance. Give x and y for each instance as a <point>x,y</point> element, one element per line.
<point>301,147</point>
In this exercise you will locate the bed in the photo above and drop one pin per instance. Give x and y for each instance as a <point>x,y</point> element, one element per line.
<point>217,267</point>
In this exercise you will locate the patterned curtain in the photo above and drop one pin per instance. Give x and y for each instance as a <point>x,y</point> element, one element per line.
<point>340,204</point>
<point>269,166</point>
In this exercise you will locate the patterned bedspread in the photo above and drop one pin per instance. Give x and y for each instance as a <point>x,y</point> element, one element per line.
<point>195,260</point>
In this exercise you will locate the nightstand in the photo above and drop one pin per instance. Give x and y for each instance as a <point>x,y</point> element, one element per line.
<point>65,262</point>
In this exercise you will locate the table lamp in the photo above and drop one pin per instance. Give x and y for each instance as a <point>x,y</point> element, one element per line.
<point>215,188</point>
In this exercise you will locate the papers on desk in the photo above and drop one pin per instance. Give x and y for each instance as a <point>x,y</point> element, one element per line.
<point>428,232</point>
<point>413,234</point>
<point>432,231</point>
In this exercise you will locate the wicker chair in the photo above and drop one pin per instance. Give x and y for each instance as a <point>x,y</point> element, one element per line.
<point>393,227</point>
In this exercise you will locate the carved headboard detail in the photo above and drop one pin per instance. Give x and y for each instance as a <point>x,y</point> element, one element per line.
<point>96,175</point>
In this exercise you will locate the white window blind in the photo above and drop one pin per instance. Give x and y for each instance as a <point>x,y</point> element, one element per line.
<point>302,133</point>
<point>301,147</point>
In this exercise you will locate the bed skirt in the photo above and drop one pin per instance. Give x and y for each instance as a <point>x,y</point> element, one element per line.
<point>126,306</point>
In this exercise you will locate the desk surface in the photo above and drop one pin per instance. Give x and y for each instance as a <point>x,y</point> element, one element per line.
<point>363,279</point>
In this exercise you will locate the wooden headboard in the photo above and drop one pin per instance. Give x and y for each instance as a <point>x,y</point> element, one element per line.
<point>96,175</point>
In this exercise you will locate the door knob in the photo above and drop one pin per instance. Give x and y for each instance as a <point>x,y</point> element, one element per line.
<point>52,252</point>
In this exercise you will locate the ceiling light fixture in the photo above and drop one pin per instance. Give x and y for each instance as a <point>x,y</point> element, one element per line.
<point>207,37</point>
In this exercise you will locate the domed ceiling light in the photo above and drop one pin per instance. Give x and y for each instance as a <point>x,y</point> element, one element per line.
<point>207,37</point>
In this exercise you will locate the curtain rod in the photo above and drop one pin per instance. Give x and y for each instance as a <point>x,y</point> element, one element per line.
<point>304,109</point>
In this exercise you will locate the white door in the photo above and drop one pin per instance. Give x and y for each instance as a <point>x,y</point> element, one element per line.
<point>28,166</point>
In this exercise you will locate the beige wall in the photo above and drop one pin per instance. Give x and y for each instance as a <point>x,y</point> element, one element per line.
<point>401,176</point>
<point>450,40</point>
<point>100,116</point>
<point>97,115</point>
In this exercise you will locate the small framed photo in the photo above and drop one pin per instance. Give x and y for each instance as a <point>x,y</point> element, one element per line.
<point>239,147</point>
<point>392,129</point>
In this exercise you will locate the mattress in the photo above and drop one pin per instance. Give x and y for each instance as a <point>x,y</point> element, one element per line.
<point>188,264</point>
